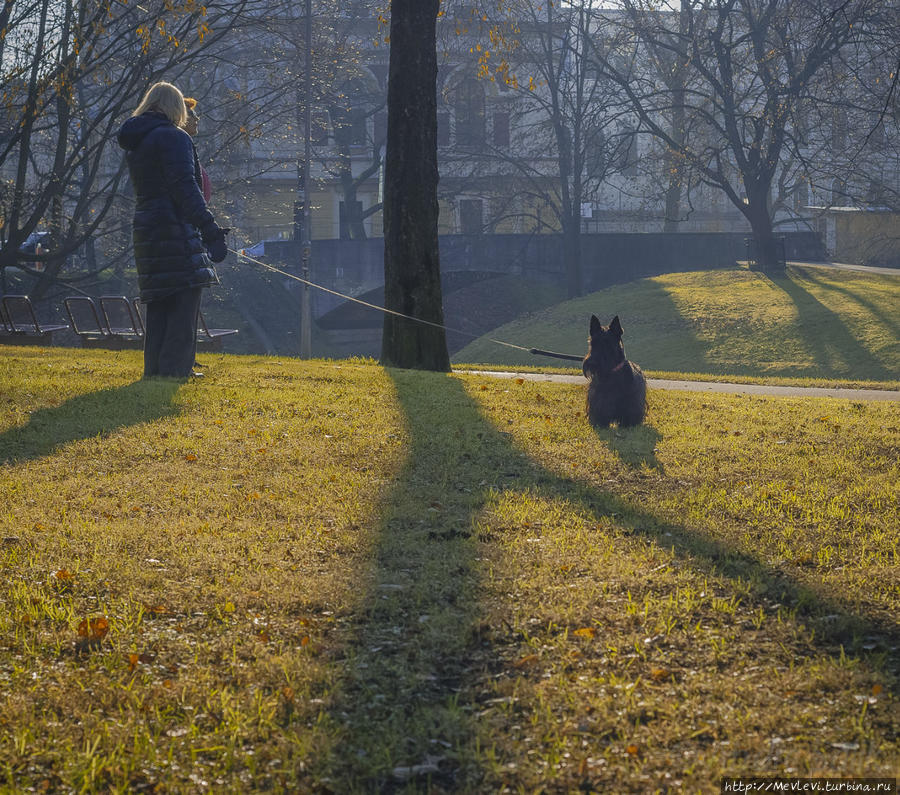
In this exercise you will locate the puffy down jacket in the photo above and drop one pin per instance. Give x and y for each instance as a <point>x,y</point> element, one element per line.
<point>169,207</point>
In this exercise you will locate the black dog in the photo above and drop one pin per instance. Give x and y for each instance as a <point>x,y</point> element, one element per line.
<point>618,389</point>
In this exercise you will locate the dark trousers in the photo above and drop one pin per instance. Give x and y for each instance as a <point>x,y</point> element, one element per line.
<point>170,341</point>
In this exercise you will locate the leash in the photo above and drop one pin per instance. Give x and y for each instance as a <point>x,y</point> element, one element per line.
<point>534,351</point>
<point>570,356</point>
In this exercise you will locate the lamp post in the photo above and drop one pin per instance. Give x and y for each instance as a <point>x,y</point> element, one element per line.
<point>304,189</point>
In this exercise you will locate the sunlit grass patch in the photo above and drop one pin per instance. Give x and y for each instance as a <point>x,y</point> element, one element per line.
<point>326,575</point>
<point>813,323</point>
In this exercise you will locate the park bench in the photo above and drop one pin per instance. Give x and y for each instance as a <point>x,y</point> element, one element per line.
<point>205,335</point>
<point>20,324</point>
<point>212,336</point>
<point>84,317</point>
<point>123,318</point>
<point>111,321</point>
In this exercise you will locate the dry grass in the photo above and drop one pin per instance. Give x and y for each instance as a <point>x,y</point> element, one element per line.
<point>327,576</point>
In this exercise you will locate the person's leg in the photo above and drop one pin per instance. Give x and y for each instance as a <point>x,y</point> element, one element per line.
<point>157,313</point>
<point>180,344</point>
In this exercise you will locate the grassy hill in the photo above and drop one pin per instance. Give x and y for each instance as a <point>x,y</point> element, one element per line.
<point>313,576</point>
<point>814,323</point>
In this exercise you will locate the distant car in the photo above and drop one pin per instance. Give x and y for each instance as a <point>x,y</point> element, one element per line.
<point>36,243</point>
<point>257,250</point>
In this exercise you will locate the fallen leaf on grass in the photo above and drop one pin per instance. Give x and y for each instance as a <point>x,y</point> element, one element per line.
<point>585,632</point>
<point>632,750</point>
<point>134,659</point>
<point>524,662</point>
<point>660,674</point>
<point>190,457</point>
<point>93,627</point>
<point>91,632</point>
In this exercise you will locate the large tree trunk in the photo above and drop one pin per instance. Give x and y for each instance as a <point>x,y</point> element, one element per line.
<point>767,253</point>
<point>412,277</point>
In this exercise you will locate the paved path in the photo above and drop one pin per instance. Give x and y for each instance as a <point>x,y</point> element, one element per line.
<point>713,386</point>
<point>842,266</point>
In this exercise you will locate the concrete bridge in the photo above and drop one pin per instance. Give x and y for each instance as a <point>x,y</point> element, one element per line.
<point>356,267</point>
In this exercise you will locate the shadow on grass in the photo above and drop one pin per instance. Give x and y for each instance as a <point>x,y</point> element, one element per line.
<point>830,340</point>
<point>858,296</point>
<point>86,416</point>
<point>635,447</point>
<point>417,642</point>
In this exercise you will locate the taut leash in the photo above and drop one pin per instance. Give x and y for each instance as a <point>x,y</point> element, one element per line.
<point>570,356</point>
<point>534,351</point>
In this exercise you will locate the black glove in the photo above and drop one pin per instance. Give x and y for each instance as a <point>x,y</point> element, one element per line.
<point>213,237</point>
<point>217,249</point>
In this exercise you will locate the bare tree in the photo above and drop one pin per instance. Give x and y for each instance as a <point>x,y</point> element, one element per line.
<point>70,73</point>
<point>747,73</point>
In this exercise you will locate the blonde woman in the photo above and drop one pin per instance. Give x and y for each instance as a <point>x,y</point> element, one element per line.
<point>172,229</point>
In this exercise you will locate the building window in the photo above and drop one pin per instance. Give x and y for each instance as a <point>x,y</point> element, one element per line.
<point>839,196</point>
<point>349,128</point>
<point>318,134</point>
<point>501,129</point>
<point>470,114</point>
<point>595,155</point>
<point>471,216</point>
<point>801,196</point>
<point>839,131</point>
<point>628,163</point>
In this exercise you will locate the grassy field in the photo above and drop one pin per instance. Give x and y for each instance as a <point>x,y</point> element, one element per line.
<point>332,577</point>
<point>830,325</point>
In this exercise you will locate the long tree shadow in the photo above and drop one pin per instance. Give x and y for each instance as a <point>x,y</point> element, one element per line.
<point>417,638</point>
<point>836,347</point>
<point>86,416</point>
<point>858,296</point>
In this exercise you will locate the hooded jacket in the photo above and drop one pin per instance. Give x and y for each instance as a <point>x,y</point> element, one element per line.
<point>169,208</point>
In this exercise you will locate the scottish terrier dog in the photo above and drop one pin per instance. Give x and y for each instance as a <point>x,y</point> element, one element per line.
<point>618,389</point>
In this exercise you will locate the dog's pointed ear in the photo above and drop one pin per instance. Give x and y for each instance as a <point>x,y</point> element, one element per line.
<point>595,324</point>
<point>615,326</point>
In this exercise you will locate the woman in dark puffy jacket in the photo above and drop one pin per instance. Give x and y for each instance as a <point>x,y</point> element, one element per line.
<point>173,229</point>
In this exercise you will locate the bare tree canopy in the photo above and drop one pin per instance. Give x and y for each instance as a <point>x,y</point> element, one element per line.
<point>69,73</point>
<point>749,75</point>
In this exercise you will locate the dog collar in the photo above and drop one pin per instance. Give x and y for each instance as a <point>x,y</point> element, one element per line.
<point>619,366</point>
